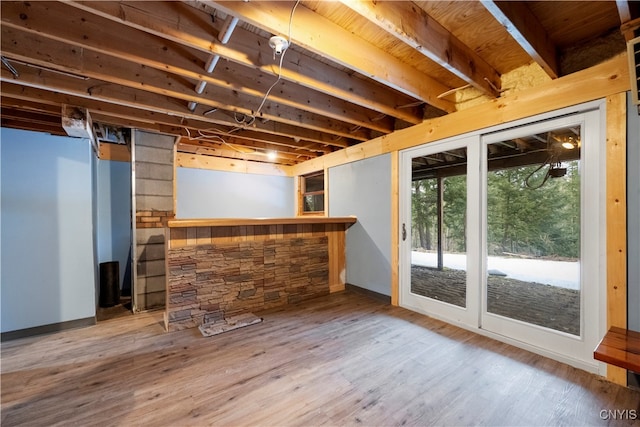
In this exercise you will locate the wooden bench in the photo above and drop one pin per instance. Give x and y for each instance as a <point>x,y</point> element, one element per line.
<point>620,347</point>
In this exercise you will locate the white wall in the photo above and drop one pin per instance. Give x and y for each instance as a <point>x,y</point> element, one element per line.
<point>47,267</point>
<point>114,213</point>
<point>215,194</point>
<point>363,189</point>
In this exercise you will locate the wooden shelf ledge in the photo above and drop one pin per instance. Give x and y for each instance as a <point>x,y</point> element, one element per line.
<point>232,222</point>
<point>620,347</point>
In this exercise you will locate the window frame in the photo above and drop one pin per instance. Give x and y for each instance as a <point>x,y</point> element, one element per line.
<point>302,193</point>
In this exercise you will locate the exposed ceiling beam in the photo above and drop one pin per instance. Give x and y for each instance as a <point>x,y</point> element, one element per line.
<point>34,117</point>
<point>120,95</point>
<point>235,152</point>
<point>624,11</point>
<point>49,120</point>
<point>132,45</point>
<point>96,88</point>
<point>109,69</point>
<point>193,27</point>
<point>15,123</point>
<point>410,24</point>
<point>321,36</point>
<point>524,27</point>
<point>40,101</point>
<point>629,29</point>
<point>629,13</point>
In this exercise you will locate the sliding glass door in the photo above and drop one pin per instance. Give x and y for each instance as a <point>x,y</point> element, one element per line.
<point>436,230</point>
<point>502,233</point>
<point>540,232</point>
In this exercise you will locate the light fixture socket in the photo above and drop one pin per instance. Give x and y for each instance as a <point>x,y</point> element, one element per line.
<point>557,172</point>
<point>278,44</point>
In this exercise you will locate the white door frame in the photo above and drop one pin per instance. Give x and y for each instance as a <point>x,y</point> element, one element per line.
<point>463,316</point>
<point>575,347</point>
<point>593,240</point>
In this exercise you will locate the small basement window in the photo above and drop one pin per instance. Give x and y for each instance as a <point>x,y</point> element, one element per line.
<point>312,193</point>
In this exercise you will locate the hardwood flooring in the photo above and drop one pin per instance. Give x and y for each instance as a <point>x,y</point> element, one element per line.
<point>344,359</point>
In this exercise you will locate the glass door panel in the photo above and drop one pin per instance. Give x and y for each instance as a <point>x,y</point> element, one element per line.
<point>438,226</point>
<point>533,229</point>
<point>542,242</point>
<point>437,192</point>
<point>503,232</point>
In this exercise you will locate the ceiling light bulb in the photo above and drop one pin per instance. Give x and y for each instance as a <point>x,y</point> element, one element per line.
<point>272,155</point>
<point>568,145</point>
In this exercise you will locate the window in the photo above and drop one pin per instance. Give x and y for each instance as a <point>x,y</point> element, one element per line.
<point>312,193</point>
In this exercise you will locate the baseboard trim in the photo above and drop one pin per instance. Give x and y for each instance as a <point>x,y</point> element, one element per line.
<point>372,294</point>
<point>47,329</point>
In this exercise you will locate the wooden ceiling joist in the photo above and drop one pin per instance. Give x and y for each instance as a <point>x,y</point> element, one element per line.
<point>342,81</point>
<point>35,117</point>
<point>409,23</point>
<point>25,124</point>
<point>193,28</point>
<point>524,27</point>
<point>236,152</point>
<point>130,48</point>
<point>19,96</point>
<point>629,29</point>
<point>322,37</point>
<point>227,147</point>
<point>203,138</point>
<point>117,94</point>
<point>109,69</point>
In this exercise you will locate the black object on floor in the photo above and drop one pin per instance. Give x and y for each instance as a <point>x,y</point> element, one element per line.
<point>109,284</point>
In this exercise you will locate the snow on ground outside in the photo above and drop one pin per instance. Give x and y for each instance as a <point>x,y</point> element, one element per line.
<point>557,273</point>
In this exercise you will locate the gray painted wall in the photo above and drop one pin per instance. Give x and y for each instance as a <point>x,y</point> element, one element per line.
<point>47,268</point>
<point>114,213</point>
<point>633,216</point>
<point>363,189</point>
<point>215,194</point>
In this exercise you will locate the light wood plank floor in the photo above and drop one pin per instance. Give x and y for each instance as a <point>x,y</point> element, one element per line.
<point>344,359</point>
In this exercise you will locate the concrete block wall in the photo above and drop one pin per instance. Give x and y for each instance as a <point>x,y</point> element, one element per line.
<point>154,156</point>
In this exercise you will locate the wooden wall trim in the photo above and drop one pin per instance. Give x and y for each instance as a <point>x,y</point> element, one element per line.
<point>198,161</point>
<point>395,226</point>
<point>609,77</point>
<point>337,256</point>
<point>114,152</point>
<point>616,221</point>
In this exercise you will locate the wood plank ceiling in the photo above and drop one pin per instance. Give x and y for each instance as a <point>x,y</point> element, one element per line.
<point>354,70</point>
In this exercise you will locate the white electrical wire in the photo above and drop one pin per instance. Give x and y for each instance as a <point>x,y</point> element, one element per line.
<point>251,117</point>
<point>266,95</point>
<point>214,139</point>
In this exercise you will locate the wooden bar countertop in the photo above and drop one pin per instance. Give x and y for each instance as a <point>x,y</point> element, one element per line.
<point>232,222</point>
<point>620,347</point>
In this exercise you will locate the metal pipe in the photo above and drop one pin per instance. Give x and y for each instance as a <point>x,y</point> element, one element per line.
<point>227,29</point>
<point>200,86</point>
<point>223,36</point>
<point>211,63</point>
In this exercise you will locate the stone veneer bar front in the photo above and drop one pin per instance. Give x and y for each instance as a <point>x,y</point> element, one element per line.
<point>218,268</point>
